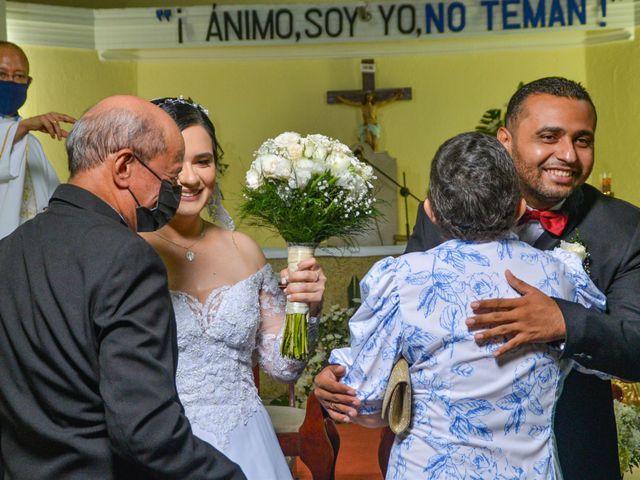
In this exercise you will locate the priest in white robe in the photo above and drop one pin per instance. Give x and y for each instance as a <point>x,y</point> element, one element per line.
<point>27,179</point>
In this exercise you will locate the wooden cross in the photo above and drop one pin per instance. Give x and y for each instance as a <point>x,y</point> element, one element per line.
<point>369,100</point>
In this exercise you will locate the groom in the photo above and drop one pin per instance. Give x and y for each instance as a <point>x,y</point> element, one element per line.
<point>550,129</point>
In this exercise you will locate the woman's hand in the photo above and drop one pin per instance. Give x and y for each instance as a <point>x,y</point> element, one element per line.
<point>305,285</point>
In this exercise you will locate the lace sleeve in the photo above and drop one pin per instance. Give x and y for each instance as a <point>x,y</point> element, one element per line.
<point>270,330</point>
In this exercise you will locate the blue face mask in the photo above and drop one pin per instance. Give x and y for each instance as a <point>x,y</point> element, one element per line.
<point>12,96</point>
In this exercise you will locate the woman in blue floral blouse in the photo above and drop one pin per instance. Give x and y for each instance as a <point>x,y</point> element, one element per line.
<point>475,416</point>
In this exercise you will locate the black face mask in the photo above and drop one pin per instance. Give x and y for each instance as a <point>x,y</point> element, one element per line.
<point>152,219</point>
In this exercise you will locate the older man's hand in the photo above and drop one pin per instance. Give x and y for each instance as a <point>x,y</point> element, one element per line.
<point>532,318</point>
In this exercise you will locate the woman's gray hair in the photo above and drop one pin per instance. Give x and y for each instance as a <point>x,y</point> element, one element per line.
<point>473,188</point>
<point>96,136</point>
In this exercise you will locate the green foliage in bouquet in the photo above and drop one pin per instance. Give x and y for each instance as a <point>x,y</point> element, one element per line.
<point>320,210</point>
<point>628,424</point>
<point>308,189</point>
<point>333,333</point>
<point>294,341</point>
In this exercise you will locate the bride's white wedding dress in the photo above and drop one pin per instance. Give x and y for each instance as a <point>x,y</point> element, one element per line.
<point>218,344</point>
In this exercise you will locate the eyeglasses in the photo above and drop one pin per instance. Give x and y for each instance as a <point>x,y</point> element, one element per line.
<point>172,180</point>
<point>17,77</point>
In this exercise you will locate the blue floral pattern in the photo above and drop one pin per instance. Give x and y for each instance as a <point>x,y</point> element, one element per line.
<point>474,416</point>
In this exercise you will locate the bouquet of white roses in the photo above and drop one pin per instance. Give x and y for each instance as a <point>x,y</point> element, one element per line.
<point>307,189</point>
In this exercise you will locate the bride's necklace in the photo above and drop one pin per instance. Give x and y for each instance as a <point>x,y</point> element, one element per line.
<point>190,255</point>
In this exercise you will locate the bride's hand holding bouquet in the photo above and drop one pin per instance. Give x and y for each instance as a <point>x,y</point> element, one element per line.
<point>308,189</point>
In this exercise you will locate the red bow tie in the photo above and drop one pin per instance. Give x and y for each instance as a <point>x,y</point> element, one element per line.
<point>553,221</point>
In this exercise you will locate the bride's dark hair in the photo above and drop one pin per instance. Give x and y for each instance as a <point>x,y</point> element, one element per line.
<point>187,113</point>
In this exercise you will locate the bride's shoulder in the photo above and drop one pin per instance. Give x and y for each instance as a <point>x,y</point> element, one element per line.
<point>244,248</point>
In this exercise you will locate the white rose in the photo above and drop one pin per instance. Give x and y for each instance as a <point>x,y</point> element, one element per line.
<point>253,179</point>
<point>309,147</point>
<point>257,162</point>
<point>303,170</point>
<point>303,164</point>
<point>338,163</point>
<point>273,166</point>
<point>320,153</point>
<point>283,168</point>
<point>319,139</point>
<point>302,176</point>
<point>267,147</point>
<point>287,138</point>
<point>295,151</point>
<point>574,247</point>
<point>265,164</point>
<point>318,167</point>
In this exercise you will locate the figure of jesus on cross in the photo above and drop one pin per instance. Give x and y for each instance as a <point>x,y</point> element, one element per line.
<point>369,100</point>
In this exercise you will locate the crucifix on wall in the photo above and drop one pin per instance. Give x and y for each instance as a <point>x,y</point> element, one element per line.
<point>369,100</point>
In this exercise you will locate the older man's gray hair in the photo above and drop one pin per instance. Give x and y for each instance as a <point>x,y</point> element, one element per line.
<point>96,136</point>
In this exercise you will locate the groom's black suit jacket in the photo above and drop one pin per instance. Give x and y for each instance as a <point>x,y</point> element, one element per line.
<point>609,342</point>
<point>88,353</point>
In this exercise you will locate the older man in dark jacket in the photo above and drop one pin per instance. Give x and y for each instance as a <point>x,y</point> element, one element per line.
<point>87,332</point>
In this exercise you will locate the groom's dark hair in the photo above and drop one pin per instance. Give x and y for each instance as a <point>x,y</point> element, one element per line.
<point>473,188</point>
<point>554,86</point>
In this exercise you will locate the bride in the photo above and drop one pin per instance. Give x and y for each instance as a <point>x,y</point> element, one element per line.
<point>229,308</point>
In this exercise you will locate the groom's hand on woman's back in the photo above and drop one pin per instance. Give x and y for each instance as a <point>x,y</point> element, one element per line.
<point>531,318</point>
<point>338,399</point>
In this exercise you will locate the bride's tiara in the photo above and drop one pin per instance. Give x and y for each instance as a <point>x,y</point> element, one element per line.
<point>179,100</point>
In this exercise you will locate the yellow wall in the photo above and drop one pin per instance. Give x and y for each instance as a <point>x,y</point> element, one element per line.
<point>70,81</point>
<point>251,99</point>
<point>613,79</point>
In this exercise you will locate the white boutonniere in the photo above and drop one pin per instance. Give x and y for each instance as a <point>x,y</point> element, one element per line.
<point>577,246</point>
